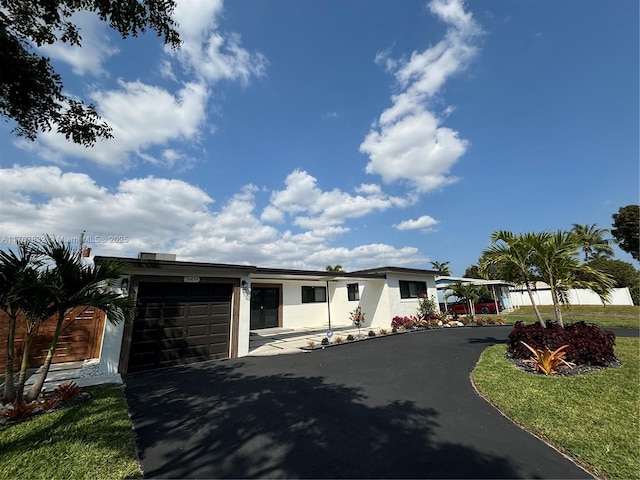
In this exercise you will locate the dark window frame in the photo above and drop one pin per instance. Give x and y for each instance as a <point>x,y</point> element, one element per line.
<point>412,289</point>
<point>311,295</point>
<point>353,292</point>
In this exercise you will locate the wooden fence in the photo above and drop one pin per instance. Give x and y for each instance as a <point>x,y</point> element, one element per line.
<point>80,338</point>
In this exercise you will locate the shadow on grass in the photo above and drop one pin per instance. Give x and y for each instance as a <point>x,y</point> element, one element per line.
<point>215,421</point>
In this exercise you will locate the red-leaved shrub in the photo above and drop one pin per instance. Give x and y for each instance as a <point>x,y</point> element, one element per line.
<point>587,344</point>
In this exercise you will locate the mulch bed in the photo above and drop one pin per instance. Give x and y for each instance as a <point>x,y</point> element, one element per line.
<point>563,371</point>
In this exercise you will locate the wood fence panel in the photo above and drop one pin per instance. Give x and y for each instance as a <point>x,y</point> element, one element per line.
<point>80,338</point>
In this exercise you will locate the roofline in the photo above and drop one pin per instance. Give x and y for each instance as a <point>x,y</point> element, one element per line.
<point>388,269</point>
<point>251,270</point>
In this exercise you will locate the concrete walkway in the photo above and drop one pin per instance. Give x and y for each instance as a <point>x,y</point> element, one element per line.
<point>83,373</point>
<point>278,341</point>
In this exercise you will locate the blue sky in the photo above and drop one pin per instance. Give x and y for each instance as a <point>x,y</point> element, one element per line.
<point>366,133</point>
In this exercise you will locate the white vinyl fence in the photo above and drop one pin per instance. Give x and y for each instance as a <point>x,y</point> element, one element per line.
<point>578,296</point>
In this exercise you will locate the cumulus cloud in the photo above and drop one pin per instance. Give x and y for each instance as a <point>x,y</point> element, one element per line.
<point>96,46</point>
<point>210,53</point>
<point>313,208</point>
<point>408,142</point>
<point>169,215</point>
<point>424,223</point>
<point>141,116</point>
<point>144,115</point>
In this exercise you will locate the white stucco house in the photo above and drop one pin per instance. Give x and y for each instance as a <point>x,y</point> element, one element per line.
<point>191,311</point>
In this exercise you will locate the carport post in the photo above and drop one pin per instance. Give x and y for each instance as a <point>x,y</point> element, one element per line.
<point>329,304</point>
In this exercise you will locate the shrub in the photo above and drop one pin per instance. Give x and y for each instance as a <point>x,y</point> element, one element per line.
<point>49,403</point>
<point>325,341</point>
<point>372,333</point>
<point>546,361</point>
<point>587,343</point>
<point>339,340</point>
<point>67,391</point>
<point>403,322</point>
<point>311,344</point>
<point>383,331</point>
<point>19,410</point>
<point>427,307</point>
<point>350,337</point>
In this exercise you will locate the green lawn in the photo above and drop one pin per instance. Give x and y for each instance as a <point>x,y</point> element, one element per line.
<point>93,439</point>
<point>606,316</point>
<point>594,418</point>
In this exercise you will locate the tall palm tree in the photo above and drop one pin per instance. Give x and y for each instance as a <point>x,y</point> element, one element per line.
<point>511,255</point>
<point>442,267</point>
<point>14,278</point>
<point>555,259</point>
<point>74,285</point>
<point>336,268</point>
<point>592,241</point>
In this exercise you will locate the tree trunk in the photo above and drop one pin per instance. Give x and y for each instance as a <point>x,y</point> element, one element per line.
<point>535,307</point>
<point>35,389</point>
<point>9,385</point>
<point>472,310</point>
<point>28,339</point>
<point>556,307</point>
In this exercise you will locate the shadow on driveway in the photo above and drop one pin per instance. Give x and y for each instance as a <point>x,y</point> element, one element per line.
<point>383,409</point>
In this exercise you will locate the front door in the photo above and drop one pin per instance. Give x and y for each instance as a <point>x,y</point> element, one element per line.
<point>265,302</point>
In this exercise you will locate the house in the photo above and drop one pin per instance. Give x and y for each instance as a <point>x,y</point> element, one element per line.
<point>191,311</point>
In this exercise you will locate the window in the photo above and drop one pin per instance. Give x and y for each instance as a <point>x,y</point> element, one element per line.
<point>412,289</point>
<point>314,294</point>
<point>353,292</point>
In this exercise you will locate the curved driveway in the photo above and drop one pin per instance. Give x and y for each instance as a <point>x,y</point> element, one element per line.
<point>394,407</point>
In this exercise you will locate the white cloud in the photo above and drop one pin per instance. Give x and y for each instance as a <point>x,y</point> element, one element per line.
<point>211,54</point>
<point>95,49</point>
<point>424,223</point>
<point>408,142</point>
<point>168,215</point>
<point>314,208</point>
<point>141,116</point>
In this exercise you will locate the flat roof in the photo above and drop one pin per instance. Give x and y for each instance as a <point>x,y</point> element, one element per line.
<point>262,272</point>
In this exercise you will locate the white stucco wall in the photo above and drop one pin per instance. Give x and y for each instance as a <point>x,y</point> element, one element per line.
<point>407,306</point>
<point>244,317</point>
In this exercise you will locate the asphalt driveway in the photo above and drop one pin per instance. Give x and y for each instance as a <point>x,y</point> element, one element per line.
<point>393,407</point>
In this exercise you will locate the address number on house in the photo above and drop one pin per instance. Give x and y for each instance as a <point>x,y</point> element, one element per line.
<point>191,279</point>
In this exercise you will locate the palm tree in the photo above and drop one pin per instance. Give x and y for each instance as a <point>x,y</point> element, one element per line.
<point>74,285</point>
<point>337,268</point>
<point>555,259</point>
<point>13,275</point>
<point>592,240</point>
<point>442,267</point>
<point>511,255</point>
<point>35,302</point>
<point>465,291</point>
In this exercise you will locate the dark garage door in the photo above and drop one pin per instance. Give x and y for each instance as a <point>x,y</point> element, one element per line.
<point>180,323</point>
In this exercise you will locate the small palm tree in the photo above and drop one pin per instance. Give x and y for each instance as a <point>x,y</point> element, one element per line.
<point>14,278</point>
<point>465,291</point>
<point>74,284</point>
<point>592,241</point>
<point>442,267</point>
<point>511,255</point>
<point>336,268</point>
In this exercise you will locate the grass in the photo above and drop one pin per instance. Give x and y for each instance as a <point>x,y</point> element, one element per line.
<point>624,316</point>
<point>92,439</point>
<point>594,418</point>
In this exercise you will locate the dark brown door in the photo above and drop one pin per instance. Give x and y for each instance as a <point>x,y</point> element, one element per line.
<point>180,323</point>
<point>265,302</point>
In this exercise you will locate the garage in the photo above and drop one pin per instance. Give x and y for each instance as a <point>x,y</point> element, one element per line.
<point>178,323</point>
